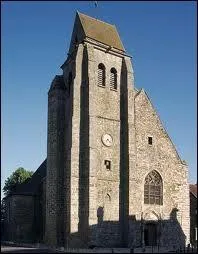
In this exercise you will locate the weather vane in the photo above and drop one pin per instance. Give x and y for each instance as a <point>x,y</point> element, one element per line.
<point>96,5</point>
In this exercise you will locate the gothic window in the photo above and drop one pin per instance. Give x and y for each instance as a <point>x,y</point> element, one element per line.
<point>101,74</point>
<point>153,189</point>
<point>113,79</point>
<point>107,198</point>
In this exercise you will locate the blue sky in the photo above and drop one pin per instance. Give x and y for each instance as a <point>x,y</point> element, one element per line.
<point>160,36</point>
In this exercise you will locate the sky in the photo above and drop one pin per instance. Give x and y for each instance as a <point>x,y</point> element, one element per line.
<point>35,36</point>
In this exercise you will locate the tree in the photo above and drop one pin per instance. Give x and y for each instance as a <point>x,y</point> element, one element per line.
<point>17,177</point>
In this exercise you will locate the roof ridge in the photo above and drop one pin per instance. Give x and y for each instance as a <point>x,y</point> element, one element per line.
<point>80,13</point>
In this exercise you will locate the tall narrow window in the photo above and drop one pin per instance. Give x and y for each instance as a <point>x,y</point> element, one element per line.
<point>107,198</point>
<point>153,188</point>
<point>150,140</point>
<point>101,74</point>
<point>113,79</point>
<point>107,164</point>
<point>107,208</point>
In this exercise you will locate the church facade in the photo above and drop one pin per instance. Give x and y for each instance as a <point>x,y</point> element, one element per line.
<point>113,175</point>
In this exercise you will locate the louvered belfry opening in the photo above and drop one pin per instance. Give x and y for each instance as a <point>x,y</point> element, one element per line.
<point>153,189</point>
<point>101,74</point>
<point>113,79</point>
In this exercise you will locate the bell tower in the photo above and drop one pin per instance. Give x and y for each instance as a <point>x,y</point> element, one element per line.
<point>95,140</point>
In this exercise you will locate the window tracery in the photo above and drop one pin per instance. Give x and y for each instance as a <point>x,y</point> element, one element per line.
<point>153,188</point>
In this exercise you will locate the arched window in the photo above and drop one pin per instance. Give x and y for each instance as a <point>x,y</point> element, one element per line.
<point>113,79</point>
<point>107,207</point>
<point>107,198</point>
<point>153,189</point>
<point>101,74</point>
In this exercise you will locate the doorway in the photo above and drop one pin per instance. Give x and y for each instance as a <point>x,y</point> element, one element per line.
<point>150,234</point>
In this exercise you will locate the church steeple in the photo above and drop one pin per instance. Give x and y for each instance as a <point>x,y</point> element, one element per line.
<point>93,114</point>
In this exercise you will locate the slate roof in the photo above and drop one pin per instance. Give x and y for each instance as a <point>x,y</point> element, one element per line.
<point>193,189</point>
<point>30,186</point>
<point>100,31</point>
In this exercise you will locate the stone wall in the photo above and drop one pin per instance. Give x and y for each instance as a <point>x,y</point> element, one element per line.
<point>55,195</point>
<point>93,205</point>
<point>104,118</point>
<point>162,157</point>
<point>20,218</point>
<point>193,219</point>
<point>74,213</point>
<point>42,211</point>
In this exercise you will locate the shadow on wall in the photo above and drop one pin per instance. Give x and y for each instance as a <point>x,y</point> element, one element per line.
<point>107,234</point>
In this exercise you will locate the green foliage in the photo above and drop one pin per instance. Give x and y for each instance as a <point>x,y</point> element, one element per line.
<point>18,176</point>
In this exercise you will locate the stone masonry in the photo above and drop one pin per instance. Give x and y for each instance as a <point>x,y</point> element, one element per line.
<point>88,203</point>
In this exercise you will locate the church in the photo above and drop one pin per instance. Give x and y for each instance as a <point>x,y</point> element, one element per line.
<point>112,177</point>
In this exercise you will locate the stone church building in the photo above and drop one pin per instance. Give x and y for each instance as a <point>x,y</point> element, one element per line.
<point>112,177</point>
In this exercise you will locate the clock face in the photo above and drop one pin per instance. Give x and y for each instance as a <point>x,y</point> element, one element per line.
<point>107,140</point>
